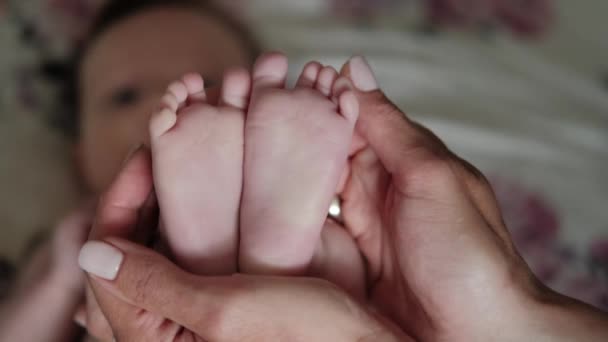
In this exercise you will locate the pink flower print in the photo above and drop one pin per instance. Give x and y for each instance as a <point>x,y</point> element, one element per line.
<point>72,17</point>
<point>589,290</point>
<point>541,224</point>
<point>457,13</point>
<point>599,259</point>
<point>526,17</point>
<point>522,17</point>
<point>361,8</point>
<point>73,8</point>
<point>545,262</point>
<point>599,250</point>
<point>529,217</point>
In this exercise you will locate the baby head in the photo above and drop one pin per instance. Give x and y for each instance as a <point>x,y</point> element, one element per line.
<point>135,49</point>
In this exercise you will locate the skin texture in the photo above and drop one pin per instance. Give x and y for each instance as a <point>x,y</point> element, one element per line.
<point>511,301</point>
<point>431,230</point>
<point>296,146</point>
<point>198,151</point>
<point>53,280</point>
<point>121,85</point>
<point>442,266</point>
<point>151,299</point>
<point>178,127</point>
<point>198,162</point>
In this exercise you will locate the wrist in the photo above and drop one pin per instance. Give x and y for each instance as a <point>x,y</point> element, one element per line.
<point>549,316</point>
<point>536,313</point>
<point>566,319</point>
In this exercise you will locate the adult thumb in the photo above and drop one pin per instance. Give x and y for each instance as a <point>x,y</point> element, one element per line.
<point>229,308</point>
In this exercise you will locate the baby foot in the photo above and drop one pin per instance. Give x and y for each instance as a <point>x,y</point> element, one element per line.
<point>197,151</point>
<point>296,146</point>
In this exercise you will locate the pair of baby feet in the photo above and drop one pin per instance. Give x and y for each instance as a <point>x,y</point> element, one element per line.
<point>246,184</point>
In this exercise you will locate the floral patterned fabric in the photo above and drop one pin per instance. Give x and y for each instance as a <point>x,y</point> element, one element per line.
<point>35,33</point>
<point>535,226</point>
<point>526,18</point>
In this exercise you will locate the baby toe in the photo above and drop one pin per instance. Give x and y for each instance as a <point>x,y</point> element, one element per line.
<point>236,88</point>
<point>309,75</point>
<point>326,80</point>
<point>161,122</point>
<point>179,90</point>
<point>341,85</point>
<point>170,102</point>
<point>349,106</point>
<point>195,86</point>
<point>270,71</point>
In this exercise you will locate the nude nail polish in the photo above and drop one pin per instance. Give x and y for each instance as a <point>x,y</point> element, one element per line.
<point>362,74</point>
<point>100,259</point>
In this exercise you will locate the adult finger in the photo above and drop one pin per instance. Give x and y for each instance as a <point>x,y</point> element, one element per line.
<point>120,208</point>
<point>71,234</point>
<point>399,144</point>
<point>338,260</point>
<point>361,211</point>
<point>232,308</point>
<point>409,150</point>
<point>93,318</point>
<point>483,197</point>
<point>477,185</point>
<point>119,213</point>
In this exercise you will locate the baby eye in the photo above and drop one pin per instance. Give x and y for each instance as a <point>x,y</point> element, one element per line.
<point>124,97</point>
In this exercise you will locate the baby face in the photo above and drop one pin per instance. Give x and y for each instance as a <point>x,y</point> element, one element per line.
<point>127,70</point>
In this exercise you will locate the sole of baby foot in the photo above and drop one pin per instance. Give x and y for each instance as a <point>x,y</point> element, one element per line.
<point>296,146</point>
<point>197,152</point>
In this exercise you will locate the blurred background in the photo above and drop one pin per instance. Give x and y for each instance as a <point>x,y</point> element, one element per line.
<point>518,87</point>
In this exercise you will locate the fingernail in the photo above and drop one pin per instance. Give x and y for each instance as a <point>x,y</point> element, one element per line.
<point>362,75</point>
<point>100,259</point>
<point>131,153</point>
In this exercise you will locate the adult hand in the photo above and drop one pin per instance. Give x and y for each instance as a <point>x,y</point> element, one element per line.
<point>441,262</point>
<point>147,298</point>
<point>51,279</point>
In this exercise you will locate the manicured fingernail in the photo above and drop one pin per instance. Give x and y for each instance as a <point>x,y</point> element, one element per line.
<point>362,75</point>
<point>100,259</point>
<point>132,152</point>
